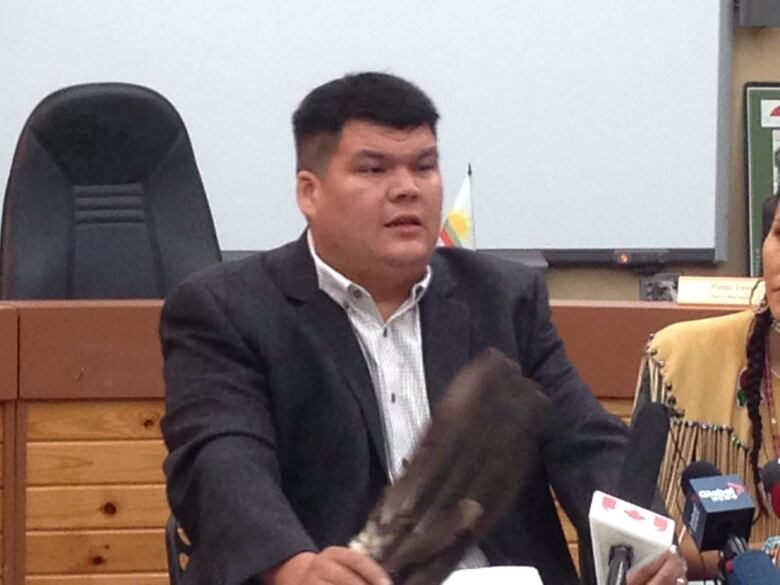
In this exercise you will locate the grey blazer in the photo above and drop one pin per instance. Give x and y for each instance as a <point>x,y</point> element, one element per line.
<point>274,434</point>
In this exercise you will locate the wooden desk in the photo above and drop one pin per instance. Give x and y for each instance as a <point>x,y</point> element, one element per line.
<point>605,340</point>
<point>81,392</point>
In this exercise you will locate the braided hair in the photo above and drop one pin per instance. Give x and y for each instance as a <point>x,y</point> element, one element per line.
<point>756,362</point>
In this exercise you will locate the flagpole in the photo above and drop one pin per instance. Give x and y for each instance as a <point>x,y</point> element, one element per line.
<point>471,201</point>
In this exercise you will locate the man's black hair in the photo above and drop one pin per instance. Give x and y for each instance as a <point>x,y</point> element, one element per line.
<point>372,96</point>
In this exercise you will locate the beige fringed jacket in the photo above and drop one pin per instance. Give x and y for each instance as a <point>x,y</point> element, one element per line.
<point>694,367</point>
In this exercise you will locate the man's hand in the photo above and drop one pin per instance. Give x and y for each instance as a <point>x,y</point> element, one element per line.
<point>668,569</point>
<point>335,565</point>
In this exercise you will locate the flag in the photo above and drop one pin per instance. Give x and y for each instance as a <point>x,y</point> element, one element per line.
<point>458,228</point>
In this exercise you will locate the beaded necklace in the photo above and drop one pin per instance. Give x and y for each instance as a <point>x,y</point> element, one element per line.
<point>770,398</point>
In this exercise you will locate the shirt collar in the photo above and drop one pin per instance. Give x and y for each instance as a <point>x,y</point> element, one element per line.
<point>341,289</point>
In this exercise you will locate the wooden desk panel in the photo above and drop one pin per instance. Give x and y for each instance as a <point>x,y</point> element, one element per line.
<point>101,579</point>
<point>8,353</point>
<point>95,506</point>
<point>91,349</point>
<point>605,340</point>
<point>110,349</point>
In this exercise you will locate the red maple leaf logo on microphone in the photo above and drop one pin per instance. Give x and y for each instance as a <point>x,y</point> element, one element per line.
<point>634,514</point>
<point>608,503</point>
<point>660,523</point>
<point>737,487</point>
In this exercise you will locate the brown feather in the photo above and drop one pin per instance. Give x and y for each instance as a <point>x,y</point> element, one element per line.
<point>482,443</point>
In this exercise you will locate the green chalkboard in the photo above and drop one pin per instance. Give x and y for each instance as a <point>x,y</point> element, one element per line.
<point>762,158</point>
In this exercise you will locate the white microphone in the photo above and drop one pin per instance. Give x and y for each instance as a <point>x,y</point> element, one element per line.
<point>625,532</point>
<point>618,523</point>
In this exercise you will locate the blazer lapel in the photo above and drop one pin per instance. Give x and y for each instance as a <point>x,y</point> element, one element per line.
<point>333,323</point>
<point>299,279</point>
<point>446,331</point>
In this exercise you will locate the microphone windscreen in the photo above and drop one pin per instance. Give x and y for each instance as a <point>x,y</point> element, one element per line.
<point>644,455</point>
<point>753,567</point>
<point>770,477</point>
<point>697,470</point>
<point>774,497</point>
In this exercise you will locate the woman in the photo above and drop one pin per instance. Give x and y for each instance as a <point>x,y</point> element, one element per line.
<point>722,378</point>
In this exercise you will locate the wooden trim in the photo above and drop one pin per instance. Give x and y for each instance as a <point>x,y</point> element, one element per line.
<point>89,304</point>
<point>9,351</point>
<point>605,340</point>
<point>110,349</point>
<point>95,349</point>
<point>9,489</point>
<point>158,578</point>
<point>19,529</point>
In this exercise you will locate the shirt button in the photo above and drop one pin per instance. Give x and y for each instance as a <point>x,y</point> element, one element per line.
<point>356,293</point>
<point>384,332</point>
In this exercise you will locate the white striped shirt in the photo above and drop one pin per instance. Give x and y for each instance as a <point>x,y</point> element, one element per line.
<point>393,353</point>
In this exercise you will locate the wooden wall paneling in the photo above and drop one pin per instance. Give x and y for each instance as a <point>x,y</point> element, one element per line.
<point>96,551</point>
<point>94,420</point>
<point>574,551</point>
<point>95,462</point>
<point>96,507</point>
<point>95,492</point>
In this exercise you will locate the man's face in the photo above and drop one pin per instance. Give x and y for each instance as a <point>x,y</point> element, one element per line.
<point>377,205</point>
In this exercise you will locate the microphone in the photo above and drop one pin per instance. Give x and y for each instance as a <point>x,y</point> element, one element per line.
<point>718,509</point>
<point>718,513</point>
<point>771,480</point>
<point>624,530</point>
<point>644,454</point>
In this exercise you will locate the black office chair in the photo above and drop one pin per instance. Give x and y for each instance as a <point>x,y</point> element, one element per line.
<point>104,199</point>
<point>178,550</point>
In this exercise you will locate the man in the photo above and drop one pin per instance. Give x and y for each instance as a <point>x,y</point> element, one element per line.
<point>300,379</point>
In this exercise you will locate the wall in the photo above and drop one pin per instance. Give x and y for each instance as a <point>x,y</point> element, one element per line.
<point>756,53</point>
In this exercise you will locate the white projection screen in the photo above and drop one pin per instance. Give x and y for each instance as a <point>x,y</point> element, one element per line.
<point>591,126</point>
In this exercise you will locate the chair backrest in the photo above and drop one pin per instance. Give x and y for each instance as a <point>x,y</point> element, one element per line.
<point>104,199</point>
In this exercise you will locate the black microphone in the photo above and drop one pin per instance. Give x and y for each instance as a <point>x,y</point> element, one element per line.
<point>718,509</point>
<point>618,543</point>
<point>718,513</point>
<point>644,454</point>
<point>770,477</point>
